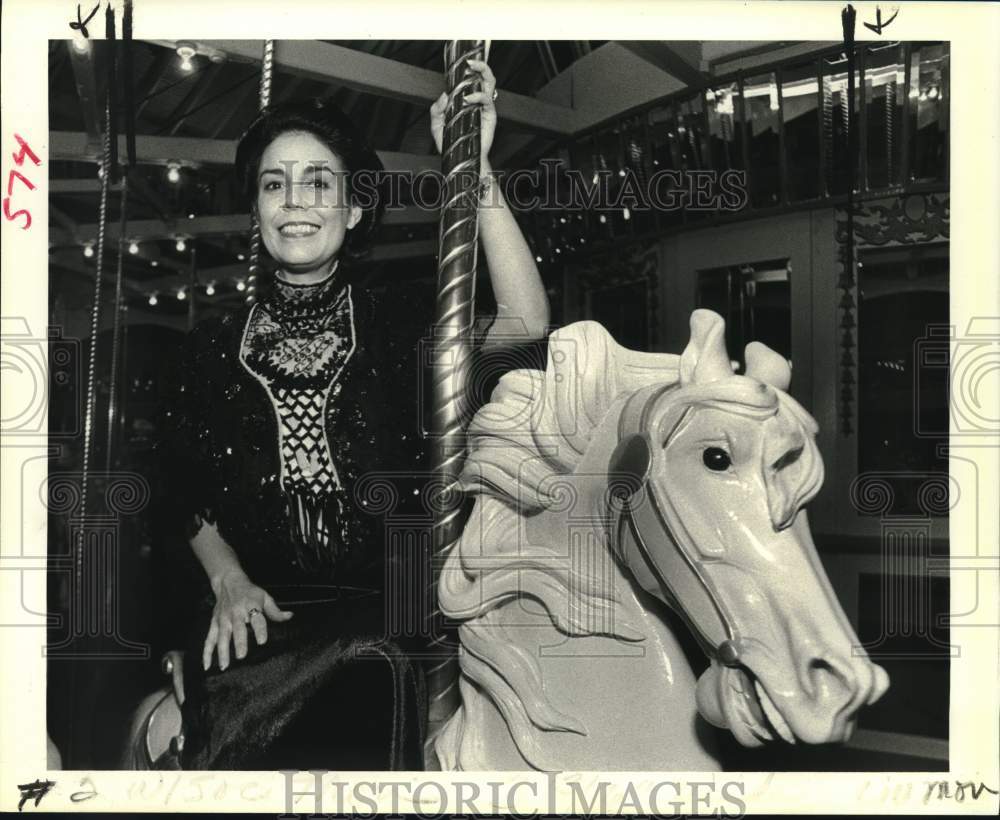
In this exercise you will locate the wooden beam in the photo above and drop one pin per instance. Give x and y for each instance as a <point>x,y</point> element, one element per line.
<point>237,103</point>
<point>217,225</point>
<point>675,61</point>
<point>139,186</point>
<point>79,267</point>
<point>384,252</point>
<point>73,145</point>
<point>65,221</point>
<point>86,89</point>
<point>78,186</point>
<point>193,98</point>
<point>372,74</point>
<point>150,79</point>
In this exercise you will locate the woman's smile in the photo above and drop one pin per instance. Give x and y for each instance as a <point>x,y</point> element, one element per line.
<point>298,230</point>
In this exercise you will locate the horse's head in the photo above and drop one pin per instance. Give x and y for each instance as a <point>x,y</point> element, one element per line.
<point>717,468</point>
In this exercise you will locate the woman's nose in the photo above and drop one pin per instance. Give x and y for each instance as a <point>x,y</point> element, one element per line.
<point>294,197</point>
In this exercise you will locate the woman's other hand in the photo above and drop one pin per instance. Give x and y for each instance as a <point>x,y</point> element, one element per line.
<point>488,111</point>
<point>239,603</point>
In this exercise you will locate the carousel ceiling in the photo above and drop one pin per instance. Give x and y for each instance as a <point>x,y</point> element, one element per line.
<point>192,101</point>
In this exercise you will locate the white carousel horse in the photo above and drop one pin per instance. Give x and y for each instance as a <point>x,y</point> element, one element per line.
<point>614,479</point>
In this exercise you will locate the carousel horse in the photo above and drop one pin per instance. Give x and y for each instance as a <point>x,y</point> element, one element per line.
<point>611,490</point>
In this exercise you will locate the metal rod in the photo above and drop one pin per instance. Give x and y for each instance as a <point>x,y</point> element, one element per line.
<point>192,291</point>
<point>847,382</point>
<point>78,598</point>
<point>451,352</point>
<point>782,154</point>
<point>904,137</point>
<point>744,135</point>
<point>116,308</point>
<point>821,124</point>
<point>129,74</point>
<point>862,144</point>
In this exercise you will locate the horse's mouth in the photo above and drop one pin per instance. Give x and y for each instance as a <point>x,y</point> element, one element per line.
<point>753,707</point>
<point>740,703</point>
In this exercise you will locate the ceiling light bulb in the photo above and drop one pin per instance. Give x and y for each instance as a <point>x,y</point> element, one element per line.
<point>240,257</point>
<point>152,300</point>
<point>241,285</point>
<point>210,289</point>
<point>88,250</point>
<point>173,172</point>
<point>181,246</point>
<point>154,263</point>
<point>133,247</point>
<point>181,294</point>
<point>186,51</point>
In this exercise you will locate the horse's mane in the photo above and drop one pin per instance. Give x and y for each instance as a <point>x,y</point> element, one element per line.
<point>538,425</point>
<point>536,429</point>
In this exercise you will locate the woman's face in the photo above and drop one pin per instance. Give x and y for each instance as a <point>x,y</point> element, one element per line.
<point>302,203</point>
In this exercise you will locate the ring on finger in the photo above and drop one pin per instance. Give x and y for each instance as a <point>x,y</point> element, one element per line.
<point>253,611</point>
<point>495,95</point>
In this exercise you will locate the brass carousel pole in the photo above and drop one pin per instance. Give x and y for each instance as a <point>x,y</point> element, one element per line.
<point>458,237</point>
<point>266,72</point>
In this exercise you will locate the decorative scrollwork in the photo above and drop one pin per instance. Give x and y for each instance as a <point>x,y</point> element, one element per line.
<point>938,495</point>
<point>61,493</point>
<point>127,493</point>
<point>440,494</point>
<point>561,490</point>
<point>872,494</point>
<point>376,493</point>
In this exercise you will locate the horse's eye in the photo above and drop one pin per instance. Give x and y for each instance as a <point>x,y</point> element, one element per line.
<point>716,458</point>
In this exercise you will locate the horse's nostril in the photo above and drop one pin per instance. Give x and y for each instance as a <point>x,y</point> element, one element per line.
<point>828,679</point>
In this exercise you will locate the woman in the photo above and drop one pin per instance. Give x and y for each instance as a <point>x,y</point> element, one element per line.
<point>283,412</point>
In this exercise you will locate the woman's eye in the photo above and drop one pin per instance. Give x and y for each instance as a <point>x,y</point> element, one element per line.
<point>716,459</point>
<point>274,185</point>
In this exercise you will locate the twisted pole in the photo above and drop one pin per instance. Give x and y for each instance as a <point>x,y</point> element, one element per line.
<point>459,231</point>
<point>90,396</point>
<point>118,307</point>
<point>266,73</point>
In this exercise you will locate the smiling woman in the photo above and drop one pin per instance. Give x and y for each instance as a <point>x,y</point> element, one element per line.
<point>284,413</point>
<point>301,237</point>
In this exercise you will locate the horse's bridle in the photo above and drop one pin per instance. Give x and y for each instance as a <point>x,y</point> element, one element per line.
<point>633,458</point>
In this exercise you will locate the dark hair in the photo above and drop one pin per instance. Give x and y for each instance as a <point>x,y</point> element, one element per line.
<point>328,123</point>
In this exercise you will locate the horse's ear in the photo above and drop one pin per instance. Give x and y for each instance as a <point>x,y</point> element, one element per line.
<point>764,365</point>
<point>629,465</point>
<point>705,358</point>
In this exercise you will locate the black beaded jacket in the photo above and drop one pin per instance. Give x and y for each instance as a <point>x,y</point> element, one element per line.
<point>220,447</point>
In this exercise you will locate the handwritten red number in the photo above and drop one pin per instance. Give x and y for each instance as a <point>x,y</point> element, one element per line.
<point>12,216</point>
<point>19,160</point>
<point>20,176</point>
<point>19,156</point>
